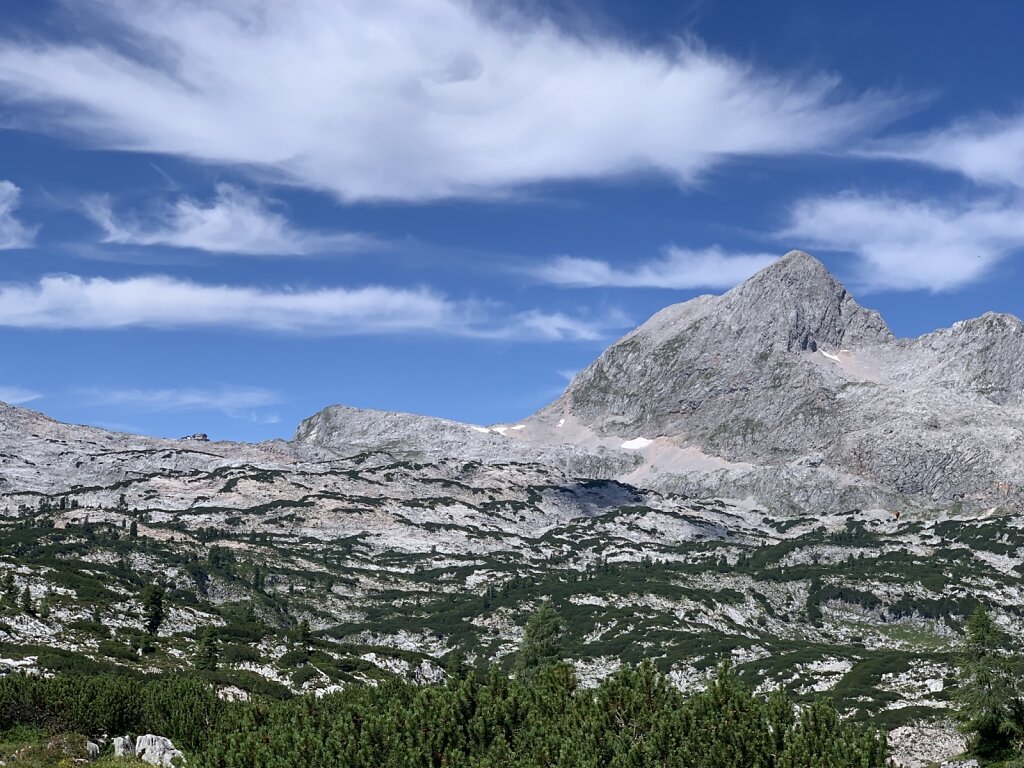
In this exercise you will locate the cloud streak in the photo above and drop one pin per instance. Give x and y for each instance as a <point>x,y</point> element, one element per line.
<point>172,399</point>
<point>245,403</point>
<point>677,269</point>
<point>157,301</point>
<point>988,150</point>
<point>405,100</point>
<point>13,234</point>
<point>236,402</point>
<point>17,395</point>
<point>234,222</point>
<point>908,244</point>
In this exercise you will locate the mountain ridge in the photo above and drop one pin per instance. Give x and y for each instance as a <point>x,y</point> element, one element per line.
<point>787,391</point>
<point>783,391</point>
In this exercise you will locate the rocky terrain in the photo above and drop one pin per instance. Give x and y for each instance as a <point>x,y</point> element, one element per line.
<point>767,477</point>
<point>783,390</point>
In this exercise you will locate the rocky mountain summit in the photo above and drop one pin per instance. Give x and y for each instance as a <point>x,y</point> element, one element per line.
<point>783,391</point>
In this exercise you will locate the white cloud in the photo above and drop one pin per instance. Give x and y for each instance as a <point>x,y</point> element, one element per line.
<point>988,150</point>
<point>235,402</point>
<point>13,234</point>
<point>910,245</point>
<point>679,269</point>
<point>74,302</point>
<point>554,326</point>
<point>17,395</point>
<point>412,100</point>
<point>235,221</point>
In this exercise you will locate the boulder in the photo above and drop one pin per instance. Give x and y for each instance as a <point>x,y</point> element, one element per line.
<point>155,750</point>
<point>124,746</point>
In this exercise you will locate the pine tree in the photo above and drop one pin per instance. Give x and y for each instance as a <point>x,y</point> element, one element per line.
<point>26,602</point>
<point>207,654</point>
<point>990,710</point>
<point>542,641</point>
<point>153,608</point>
<point>133,530</point>
<point>455,665</point>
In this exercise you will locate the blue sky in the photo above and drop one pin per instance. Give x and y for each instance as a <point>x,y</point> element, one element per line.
<point>222,216</point>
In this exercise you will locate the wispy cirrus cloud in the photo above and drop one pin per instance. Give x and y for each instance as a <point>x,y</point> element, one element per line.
<point>158,301</point>
<point>989,149</point>
<point>183,399</point>
<point>246,403</point>
<point>233,222</point>
<point>17,395</point>
<point>901,244</point>
<point>405,100</point>
<point>555,326</point>
<point>677,269</point>
<point>13,233</point>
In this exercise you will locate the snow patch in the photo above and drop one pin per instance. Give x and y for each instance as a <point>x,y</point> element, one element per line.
<point>636,443</point>
<point>561,423</point>
<point>480,429</point>
<point>830,356</point>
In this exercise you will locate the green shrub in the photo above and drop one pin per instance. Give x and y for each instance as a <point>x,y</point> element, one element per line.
<point>115,650</point>
<point>635,719</point>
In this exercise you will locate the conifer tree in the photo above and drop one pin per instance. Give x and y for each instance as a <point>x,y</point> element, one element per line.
<point>542,641</point>
<point>153,608</point>
<point>26,602</point>
<point>990,710</point>
<point>207,654</point>
<point>455,665</point>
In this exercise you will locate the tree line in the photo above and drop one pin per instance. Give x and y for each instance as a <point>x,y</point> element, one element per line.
<point>539,717</point>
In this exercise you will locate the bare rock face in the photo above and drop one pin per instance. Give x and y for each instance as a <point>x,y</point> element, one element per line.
<point>727,372</point>
<point>787,366</point>
<point>342,429</point>
<point>784,390</point>
<point>924,745</point>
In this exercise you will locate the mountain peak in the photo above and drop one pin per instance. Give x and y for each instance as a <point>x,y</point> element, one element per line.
<point>798,304</point>
<point>797,259</point>
<point>799,269</point>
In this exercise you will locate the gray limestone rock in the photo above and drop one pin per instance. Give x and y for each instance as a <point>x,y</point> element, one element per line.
<point>124,746</point>
<point>157,750</point>
<point>787,365</point>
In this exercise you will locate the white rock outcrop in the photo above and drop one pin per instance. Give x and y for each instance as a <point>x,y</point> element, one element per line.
<point>151,749</point>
